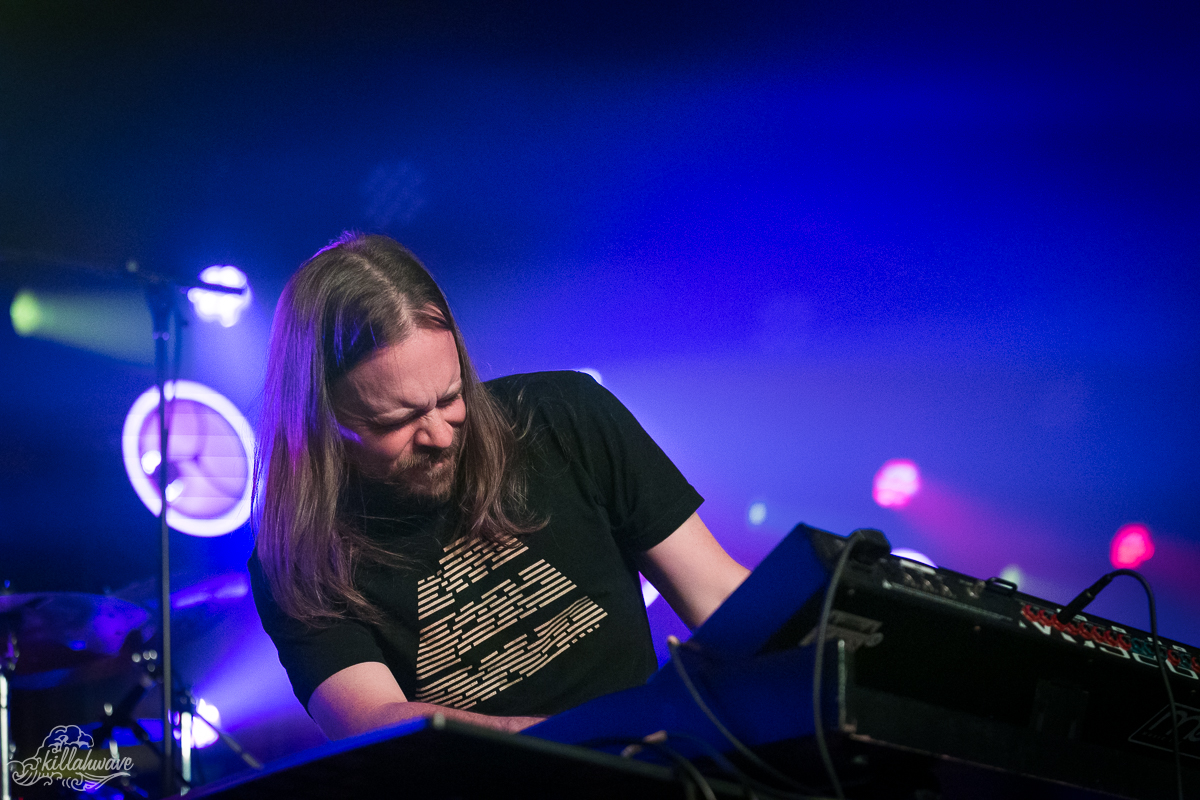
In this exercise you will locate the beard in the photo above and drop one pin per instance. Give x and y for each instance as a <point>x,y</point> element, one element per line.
<point>427,474</point>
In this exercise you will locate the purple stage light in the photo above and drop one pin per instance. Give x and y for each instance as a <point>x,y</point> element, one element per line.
<point>210,458</point>
<point>1131,546</point>
<point>220,588</point>
<point>896,482</point>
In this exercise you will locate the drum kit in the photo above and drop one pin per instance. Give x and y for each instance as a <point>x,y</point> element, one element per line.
<point>53,642</point>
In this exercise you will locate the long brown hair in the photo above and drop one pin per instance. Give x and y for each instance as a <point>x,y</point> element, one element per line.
<point>356,295</point>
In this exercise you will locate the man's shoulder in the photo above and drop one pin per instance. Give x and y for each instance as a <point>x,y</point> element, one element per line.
<point>536,388</point>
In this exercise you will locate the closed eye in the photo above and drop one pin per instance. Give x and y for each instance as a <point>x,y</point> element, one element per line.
<point>388,427</point>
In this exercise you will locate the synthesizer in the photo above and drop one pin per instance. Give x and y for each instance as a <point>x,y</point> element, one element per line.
<point>969,681</point>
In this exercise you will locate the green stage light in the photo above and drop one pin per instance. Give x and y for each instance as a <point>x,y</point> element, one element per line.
<point>26,313</point>
<point>115,324</point>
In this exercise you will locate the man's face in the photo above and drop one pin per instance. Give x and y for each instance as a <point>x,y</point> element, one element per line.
<point>401,411</point>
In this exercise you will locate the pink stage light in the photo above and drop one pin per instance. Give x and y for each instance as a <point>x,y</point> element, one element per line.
<point>896,483</point>
<point>1131,546</point>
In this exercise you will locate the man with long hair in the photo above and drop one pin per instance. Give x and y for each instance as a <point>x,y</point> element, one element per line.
<point>430,543</point>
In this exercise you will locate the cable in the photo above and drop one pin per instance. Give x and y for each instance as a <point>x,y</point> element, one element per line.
<point>690,771</point>
<point>674,645</point>
<point>749,783</point>
<point>718,758</point>
<point>1087,596</point>
<point>867,535</point>
<point>819,656</point>
<point>656,742</point>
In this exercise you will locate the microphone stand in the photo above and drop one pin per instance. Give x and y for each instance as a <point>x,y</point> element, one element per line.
<point>9,622</point>
<point>161,298</point>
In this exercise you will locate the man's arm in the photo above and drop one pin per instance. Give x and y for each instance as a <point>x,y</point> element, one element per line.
<point>692,571</point>
<point>366,696</point>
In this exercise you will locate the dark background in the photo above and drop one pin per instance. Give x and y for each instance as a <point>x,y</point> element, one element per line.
<point>797,239</point>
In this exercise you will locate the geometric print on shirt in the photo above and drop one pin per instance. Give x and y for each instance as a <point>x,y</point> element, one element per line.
<point>477,637</point>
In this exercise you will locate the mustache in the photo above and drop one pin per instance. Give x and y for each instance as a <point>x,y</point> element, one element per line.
<point>428,456</point>
<point>427,474</point>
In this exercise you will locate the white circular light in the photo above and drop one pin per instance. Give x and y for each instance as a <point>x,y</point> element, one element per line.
<point>150,461</point>
<point>210,456</point>
<point>1013,574</point>
<point>913,555</point>
<point>202,733</point>
<point>222,307</point>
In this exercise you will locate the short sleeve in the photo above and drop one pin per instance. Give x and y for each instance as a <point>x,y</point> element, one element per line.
<point>310,654</point>
<point>646,497</point>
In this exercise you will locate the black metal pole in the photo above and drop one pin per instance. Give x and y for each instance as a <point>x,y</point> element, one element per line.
<point>162,301</point>
<point>8,665</point>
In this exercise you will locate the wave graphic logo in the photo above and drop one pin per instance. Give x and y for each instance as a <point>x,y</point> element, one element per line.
<point>66,755</point>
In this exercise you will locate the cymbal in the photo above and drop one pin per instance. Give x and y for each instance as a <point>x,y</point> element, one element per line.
<point>64,630</point>
<point>197,606</point>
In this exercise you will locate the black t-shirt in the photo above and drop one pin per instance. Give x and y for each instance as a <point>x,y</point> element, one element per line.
<point>528,629</point>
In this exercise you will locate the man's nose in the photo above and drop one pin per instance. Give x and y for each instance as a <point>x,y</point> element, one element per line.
<point>435,431</point>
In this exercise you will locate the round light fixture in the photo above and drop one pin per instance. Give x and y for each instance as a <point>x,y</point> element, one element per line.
<point>1131,546</point>
<point>896,482</point>
<point>210,454</point>
<point>224,308</point>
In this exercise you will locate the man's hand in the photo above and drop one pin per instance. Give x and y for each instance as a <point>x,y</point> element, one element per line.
<point>511,724</point>
<point>365,697</point>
